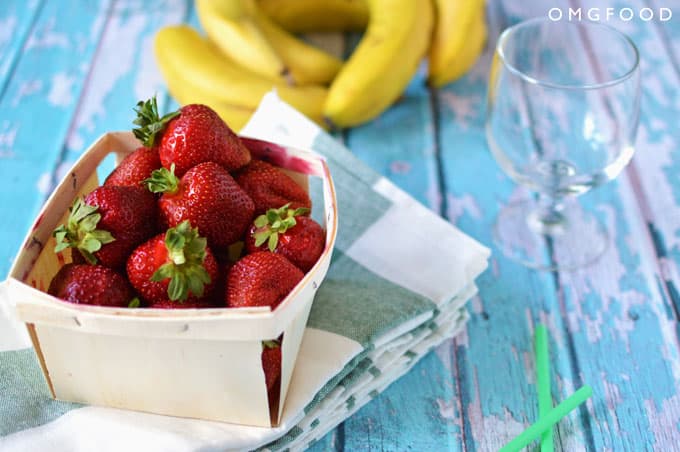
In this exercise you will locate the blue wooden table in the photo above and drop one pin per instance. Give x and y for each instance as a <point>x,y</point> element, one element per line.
<point>72,69</point>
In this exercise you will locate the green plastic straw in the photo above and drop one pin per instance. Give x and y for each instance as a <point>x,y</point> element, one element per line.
<point>543,383</point>
<point>551,418</point>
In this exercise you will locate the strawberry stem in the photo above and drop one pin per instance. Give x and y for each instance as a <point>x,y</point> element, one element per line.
<point>274,222</point>
<point>272,343</point>
<point>81,233</point>
<point>186,251</point>
<point>163,181</point>
<point>134,303</point>
<point>149,121</point>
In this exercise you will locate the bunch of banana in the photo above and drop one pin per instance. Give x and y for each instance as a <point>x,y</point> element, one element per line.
<point>196,71</point>
<point>247,35</point>
<point>300,16</point>
<point>383,63</point>
<point>251,49</point>
<point>458,39</point>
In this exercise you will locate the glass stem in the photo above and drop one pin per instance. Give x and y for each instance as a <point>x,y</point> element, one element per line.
<point>548,218</point>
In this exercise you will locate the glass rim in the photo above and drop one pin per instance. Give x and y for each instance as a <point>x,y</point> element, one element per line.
<point>536,81</point>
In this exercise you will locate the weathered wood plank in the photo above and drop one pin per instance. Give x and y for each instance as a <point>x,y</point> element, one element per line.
<point>16,19</point>
<point>620,319</point>
<point>36,109</point>
<point>655,170</point>
<point>418,412</point>
<point>495,356</point>
<point>613,349</point>
<point>124,72</point>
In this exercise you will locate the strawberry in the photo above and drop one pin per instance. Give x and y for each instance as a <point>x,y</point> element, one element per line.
<point>221,283</point>
<point>108,224</point>
<point>175,266</point>
<point>261,279</point>
<point>135,168</point>
<point>208,197</point>
<point>287,232</point>
<point>271,362</point>
<point>270,188</point>
<point>189,304</point>
<point>91,284</point>
<point>194,134</point>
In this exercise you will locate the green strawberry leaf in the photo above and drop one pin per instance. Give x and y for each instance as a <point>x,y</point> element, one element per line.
<point>195,287</point>
<point>272,216</point>
<point>102,236</point>
<point>162,180</point>
<point>260,221</point>
<point>186,271</point>
<point>90,244</point>
<point>275,222</point>
<point>178,288</point>
<point>89,223</point>
<point>80,231</point>
<point>261,237</point>
<point>301,211</point>
<point>134,303</point>
<point>165,271</point>
<point>149,121</point>
<point>89,257</point>
<point>272,242</point>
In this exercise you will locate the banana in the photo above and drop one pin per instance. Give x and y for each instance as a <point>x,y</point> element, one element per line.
<point>459,37</point>
<point>187,92</point>
<point>181,50</point>
<point>306,63</point>
<point>301,16</point>
<point>230,25</point>
<point>383,63</point>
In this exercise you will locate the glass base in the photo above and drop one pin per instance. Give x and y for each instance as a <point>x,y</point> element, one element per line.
<point>575,241</point>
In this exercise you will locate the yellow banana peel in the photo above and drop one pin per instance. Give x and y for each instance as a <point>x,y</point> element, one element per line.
<point>383,63</point>
<point>306,63</point>
<point>181,50</point>
<point>458,40</point>
<point>231,26</point>
<point>300,16</point>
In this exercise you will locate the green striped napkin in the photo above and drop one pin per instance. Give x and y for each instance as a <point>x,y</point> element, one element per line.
<point>390,296</point>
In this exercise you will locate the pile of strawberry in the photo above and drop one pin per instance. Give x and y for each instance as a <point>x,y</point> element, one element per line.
<point>160,231</point>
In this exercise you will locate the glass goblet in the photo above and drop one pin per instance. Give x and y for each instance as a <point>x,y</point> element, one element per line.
<point>562,112</point>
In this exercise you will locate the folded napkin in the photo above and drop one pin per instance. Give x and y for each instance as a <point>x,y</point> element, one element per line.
<point>396,288</point>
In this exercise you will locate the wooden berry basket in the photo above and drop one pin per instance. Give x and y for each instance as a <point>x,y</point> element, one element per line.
<point>198,363</point>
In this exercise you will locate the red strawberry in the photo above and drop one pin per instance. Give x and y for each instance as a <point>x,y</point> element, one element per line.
<point>176,265</point>
<point>194,134</point>
<point>270,188</point>
<point>91,284</point>
<point>261,279</point>
<point>189,304</point>
<point>209,198</point>
<point>221,283</point>
<point>271,362</point>
<point>135,168</point>
<point>108,224</point>
<point>285,231</point>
